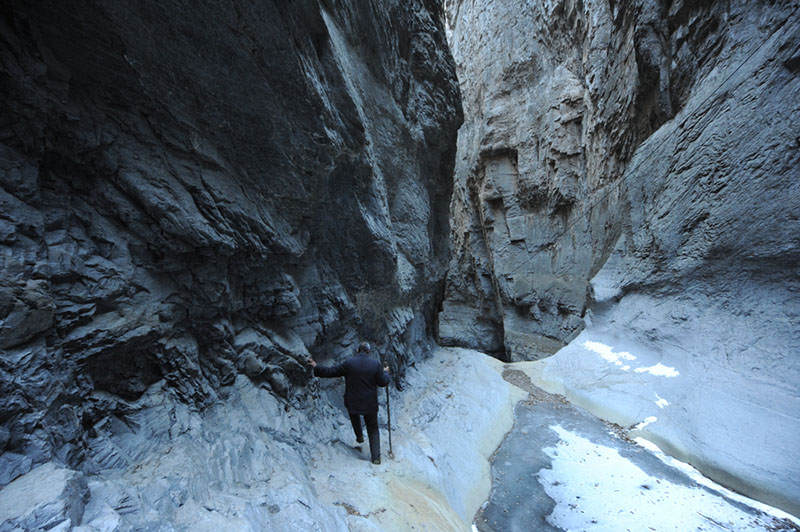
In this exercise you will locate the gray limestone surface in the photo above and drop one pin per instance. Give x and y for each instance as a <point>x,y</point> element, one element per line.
<point>704,278</point>
<point>699,303</point>
<point>196,193</point>
<point>195,197</point>
<point>252,463</point>
<point>563,101</point>
<point>632,171</point>
<point>48,498</point>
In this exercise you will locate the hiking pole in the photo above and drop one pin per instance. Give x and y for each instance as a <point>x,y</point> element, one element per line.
<point>389,419</point>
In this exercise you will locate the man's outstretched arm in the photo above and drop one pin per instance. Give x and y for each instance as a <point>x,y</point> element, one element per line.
<point>339,370</point>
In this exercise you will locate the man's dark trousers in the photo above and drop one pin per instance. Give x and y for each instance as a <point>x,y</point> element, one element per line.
<point>371,421</point>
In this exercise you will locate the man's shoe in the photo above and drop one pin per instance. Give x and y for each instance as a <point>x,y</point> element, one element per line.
<point>376,461</point>
<point>360,439</point>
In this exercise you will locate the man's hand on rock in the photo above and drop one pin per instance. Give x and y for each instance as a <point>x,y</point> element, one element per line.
<point>311,362</point>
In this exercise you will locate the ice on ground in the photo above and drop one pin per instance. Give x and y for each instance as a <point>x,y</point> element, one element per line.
<point>597,489</point>
<point>728,407</point>
<point>562,469</point>
<point>701,480</point>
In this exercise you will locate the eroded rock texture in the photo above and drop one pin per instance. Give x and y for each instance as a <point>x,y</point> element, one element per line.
<point>558,96</point>
<point>193,192</point>
<point>639,163</point>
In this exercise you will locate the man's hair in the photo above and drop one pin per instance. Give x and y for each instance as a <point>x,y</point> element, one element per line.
<point>363,347</point>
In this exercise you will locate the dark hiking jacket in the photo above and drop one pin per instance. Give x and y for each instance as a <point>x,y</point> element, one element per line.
<point>362,376</point>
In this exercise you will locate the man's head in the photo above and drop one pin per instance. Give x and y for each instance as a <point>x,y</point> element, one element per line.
<point>363,347</point>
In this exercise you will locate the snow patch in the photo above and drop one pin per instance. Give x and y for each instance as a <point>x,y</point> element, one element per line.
<point>661,402</point>
<point>659,370</point>
<point>607,352</point>
<point>647,421</point>
<point>616,357</point>
<point>596,489</point>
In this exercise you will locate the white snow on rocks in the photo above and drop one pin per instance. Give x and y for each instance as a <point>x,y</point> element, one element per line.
<point>616,358</point>
<point>608,353</point>
<point>659,370</point>
<point>661,402</point>
<point>647,421</point>
<point>598,490</point>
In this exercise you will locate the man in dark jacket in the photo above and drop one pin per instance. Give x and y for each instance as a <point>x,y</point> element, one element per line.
<point>362,376</point>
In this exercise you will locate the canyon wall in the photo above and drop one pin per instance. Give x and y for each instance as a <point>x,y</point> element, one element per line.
<point>630,173</point>
<point>197,193</point>
<point>558,96</point>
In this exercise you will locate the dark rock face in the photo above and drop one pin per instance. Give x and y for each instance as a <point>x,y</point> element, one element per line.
<point>558,100</point>
<point>192,191</point>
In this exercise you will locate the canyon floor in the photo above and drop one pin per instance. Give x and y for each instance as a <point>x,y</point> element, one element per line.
<point>557,468</point>
<point>476,446</point>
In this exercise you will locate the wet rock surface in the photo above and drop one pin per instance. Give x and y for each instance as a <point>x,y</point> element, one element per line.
<point>190,194</point>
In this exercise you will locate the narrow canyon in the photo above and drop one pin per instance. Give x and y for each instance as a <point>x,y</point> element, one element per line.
<point>569,228</point>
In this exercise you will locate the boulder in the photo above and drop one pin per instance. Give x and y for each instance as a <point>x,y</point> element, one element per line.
<point>49,497</point>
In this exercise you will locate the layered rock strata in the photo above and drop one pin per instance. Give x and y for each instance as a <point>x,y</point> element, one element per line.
<point>192,194</point>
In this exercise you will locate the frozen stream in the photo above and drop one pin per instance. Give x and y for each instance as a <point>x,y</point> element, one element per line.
<point>561,468</point>
<point>467,428</point>
<point>553,465</point>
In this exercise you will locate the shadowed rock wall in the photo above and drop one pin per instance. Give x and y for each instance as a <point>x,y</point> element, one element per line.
<point>195,191</point>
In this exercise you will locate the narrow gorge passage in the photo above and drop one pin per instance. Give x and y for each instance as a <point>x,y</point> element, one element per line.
<point>551,220</point>
<point>626,185</point>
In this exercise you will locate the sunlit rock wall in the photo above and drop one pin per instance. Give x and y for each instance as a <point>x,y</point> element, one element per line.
<point>192,193</point>
<point>557,97</point>
<point>704,278</point>
<point>661,139</point>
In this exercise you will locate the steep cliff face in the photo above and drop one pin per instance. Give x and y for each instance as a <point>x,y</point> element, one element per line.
<point>659,140</point>
<point>558,95</point>
<point>193,192</point>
